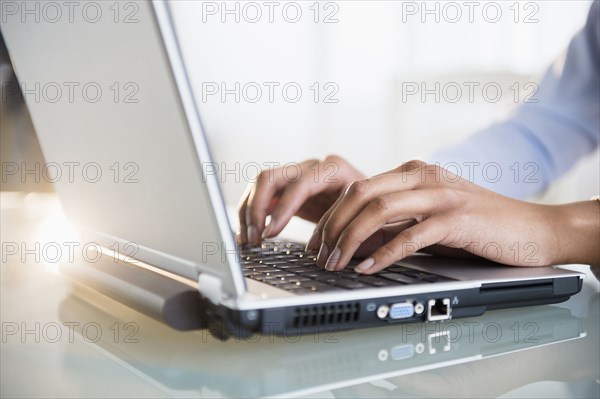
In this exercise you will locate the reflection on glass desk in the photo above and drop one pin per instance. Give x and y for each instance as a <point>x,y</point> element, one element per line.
<point>186,364</point>
<point>62,340</point>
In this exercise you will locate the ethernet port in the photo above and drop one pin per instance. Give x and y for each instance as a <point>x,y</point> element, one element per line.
<point>438,309</point>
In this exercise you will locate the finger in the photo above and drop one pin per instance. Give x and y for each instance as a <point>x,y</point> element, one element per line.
<point>317,205</point>
<point>316,177</point>
<point>242,233</point>
<point>382,236</point>
<point>422,174</point>
<point>315,244</point>
<point>300,188</point>
<point>424,234</point>
<point>406,167</point>
<point>356,197</point>
<point>315,239</point>
<point>390,208</point>
<point>268,183</point>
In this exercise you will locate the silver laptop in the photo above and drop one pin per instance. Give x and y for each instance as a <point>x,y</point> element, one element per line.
<point>124,146</point>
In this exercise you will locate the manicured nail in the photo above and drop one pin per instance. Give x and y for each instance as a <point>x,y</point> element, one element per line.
<point>267,231</point>
<point>323,254</point>
<point>364,265</point>
<point>253,235</point>
<point>312,242</point>
<point>333,259</point>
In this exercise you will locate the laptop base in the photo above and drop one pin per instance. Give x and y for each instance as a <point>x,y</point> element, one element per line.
<point>180,306</point>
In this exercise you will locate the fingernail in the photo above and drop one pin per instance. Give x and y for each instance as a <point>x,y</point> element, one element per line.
<point>267,230</point>
<point>312,242</point>
<point>322,256</point>
<point>364,265</point>
<point>253,235</point>
<point>333,259</point>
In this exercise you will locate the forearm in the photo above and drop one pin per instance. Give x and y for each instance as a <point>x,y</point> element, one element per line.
<point>545,137</point>
<point>578,232</point>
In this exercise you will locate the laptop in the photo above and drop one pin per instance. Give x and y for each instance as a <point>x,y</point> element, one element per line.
<point>114,111</point>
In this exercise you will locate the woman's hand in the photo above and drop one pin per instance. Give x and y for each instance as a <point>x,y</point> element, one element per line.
<point>307,191</point>
<point>419,205</point>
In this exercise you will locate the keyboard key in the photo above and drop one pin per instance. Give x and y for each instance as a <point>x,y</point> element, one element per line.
<point>315,274</point>
<point>283,257</point>
<point>262,269</point>
<point>330,278</point>
<point>252,250</point>
<point>306,262</point>
<point>298,270</point>
<point>350,274</point>
<point>291,261</point>
<point>273,263</point>
<point>281,274</point>
<point>277,281</point>
<point>290,266</point>
<point>297,279</point>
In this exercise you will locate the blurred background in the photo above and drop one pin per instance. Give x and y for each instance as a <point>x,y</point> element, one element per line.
<point>279,82</point>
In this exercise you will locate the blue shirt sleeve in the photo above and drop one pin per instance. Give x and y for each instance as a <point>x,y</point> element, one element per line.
<point>540,141</point>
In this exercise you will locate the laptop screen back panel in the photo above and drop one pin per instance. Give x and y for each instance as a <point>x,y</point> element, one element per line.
<point>117,141</point>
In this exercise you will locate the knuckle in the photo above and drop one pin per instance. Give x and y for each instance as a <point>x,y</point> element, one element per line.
<point>309,164</point>
<point>332,158</point>
<point>417,162</point>
<point>433,171</point>
<point>265,176</point>
<point>388,252</point>
<point>351,237</point>
<point>380,204</point>
<point>359,188</point>
<point>262,177</point>
<point>412,164</point>
<point>430,175</point>
<point>438,168</point>
<point>450,195</point>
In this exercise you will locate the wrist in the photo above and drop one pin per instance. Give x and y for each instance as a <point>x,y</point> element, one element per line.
<point>577,228</point>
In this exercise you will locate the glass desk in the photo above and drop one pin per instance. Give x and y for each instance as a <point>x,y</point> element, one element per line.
<point>62,340</point>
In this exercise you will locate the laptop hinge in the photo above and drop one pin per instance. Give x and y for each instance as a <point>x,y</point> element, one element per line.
<point>210,287</point>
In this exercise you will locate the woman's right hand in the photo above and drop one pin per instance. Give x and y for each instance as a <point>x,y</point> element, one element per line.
<point>306,190</point>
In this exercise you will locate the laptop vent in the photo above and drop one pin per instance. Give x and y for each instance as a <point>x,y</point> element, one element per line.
<point>313,316</point>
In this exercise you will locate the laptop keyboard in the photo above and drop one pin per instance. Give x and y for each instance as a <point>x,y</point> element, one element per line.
<point>287,265</point>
